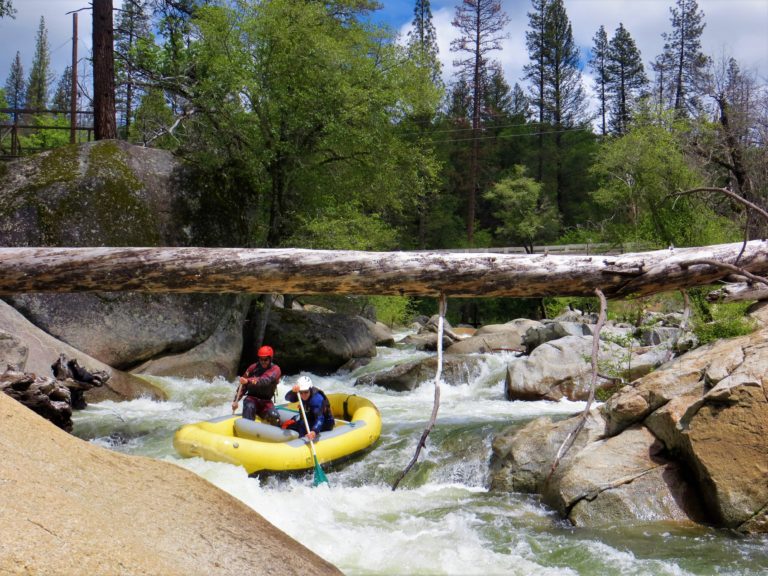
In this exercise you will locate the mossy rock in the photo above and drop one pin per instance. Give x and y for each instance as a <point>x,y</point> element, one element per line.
<point>105,193</point>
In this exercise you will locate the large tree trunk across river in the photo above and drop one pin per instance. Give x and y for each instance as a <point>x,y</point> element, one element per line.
<point>298,271</point>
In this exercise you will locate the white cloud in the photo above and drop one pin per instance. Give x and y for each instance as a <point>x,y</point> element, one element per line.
<point>733,27</point>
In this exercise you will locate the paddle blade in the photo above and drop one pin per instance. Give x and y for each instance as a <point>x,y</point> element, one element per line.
<point>319,474</point>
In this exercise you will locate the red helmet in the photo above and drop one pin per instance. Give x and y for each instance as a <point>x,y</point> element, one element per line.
<point>265,351</point>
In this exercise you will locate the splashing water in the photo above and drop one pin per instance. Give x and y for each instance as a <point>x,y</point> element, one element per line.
<point>442,520</point>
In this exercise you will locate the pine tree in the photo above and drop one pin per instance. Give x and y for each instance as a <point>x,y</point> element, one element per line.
<point>558,89</point>
<point>599,65</point>
<point>423,52</point>
<point>422,40</point>
<point>683,60</point>
<point>520,103</point>
<point>626,78</point>
<point>63,95</point>
<point>133,26</point>
<point>38,84</point>
<point>481,27</point>
<point>15,85</point>
<point>534,72</point>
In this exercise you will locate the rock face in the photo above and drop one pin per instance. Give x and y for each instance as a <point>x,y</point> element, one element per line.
<point>688,441</point>
<point>315,341</point>
<point>110,193</point>
<point>126,329</point>
<point>457,369</point>
<point>42,350</point>
<point>70,507</point>
<point>556,369</point>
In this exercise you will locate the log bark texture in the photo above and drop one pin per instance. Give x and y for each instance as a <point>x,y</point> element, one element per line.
<point>298,271</point>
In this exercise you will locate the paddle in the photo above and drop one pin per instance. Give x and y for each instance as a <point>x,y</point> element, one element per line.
<point>236,399</point>
<point>319,474</point>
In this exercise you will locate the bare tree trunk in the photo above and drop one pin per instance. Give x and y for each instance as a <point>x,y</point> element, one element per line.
<point>298,271</point>
<point>104,125</point>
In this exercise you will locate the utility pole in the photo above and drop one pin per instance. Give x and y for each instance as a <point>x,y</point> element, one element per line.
<point>73,98</point>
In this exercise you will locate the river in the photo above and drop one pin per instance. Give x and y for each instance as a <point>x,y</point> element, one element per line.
<point>441,520</point>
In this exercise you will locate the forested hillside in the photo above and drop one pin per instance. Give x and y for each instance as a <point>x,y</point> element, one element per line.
<point>309,126</point>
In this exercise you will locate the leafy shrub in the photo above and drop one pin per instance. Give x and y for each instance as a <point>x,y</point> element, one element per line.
<point>393,310</point>
<point>728,321</point>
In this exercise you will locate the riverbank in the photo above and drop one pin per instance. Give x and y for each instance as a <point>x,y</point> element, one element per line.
<point>71,507</point>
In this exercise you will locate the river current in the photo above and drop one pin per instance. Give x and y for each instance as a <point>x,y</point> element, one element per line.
<point>441,520</point>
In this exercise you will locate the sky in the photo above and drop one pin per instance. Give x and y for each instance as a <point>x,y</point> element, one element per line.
<point>735,28</point>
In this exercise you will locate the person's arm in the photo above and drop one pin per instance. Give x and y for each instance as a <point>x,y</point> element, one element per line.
<point>317,411</point>
<point>266,382</point>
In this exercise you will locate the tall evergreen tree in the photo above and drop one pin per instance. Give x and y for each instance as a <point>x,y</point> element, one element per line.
<point>423,52</point>
<point>39,81</point>
<point>554,69</point>
<point>534,72</point>
<point>133,27</point>
<point>626,78</point>
<point>63,95</point>
<point>599,65</point>
<point>481,27</point>
<point>15,84</point>
<point>422,40</point>
<point>520,103</point>
<point>683,59</point>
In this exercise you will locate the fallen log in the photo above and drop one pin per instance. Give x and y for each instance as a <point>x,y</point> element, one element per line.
<point>50,398</point>
<point>299,271</point>
<point>739,291</point>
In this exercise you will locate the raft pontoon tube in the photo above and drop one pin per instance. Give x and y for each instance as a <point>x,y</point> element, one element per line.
<point>257,446</point>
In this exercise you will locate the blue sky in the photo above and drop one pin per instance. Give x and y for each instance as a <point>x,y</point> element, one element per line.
<point>734,28</point>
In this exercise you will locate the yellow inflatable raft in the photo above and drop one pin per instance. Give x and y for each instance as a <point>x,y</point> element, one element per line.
<point>257,446</point>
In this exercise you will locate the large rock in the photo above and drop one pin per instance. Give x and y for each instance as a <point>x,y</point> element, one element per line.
<point>558,368</point>
<point>127,329</point>
<point>495,337</point>
<point>313,341</point>
<point>705,414</point>
<point>620,478</point>
<point>218,355</point>
<point>105,193</point>
<point>457,369</point>
<point>70,507</point>
<point>522,459</point>
<point>43,350</point>
<point>109,193</point>
<point>549,330</point>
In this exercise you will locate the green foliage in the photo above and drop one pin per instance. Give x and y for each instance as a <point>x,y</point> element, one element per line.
<point>45,139</point>
<point>638,174</point>
<point>3,104</point>
<point>523,215</point>
<point>343,228</point>
<point>393,310</point>
<point>295,94</point>
<point>153,118</point>
<point>723,320</point>
<point>554,306</point>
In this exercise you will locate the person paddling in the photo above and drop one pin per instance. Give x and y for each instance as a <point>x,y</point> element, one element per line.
<point>316,406</point>
<point>258,385</point>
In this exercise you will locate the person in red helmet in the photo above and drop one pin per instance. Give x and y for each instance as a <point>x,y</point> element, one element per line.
<point>258,385</point>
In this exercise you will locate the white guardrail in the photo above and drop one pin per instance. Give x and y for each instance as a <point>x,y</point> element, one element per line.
<point>575,249</point>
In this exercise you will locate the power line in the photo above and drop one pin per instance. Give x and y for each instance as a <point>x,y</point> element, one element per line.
<point>510,136</point>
